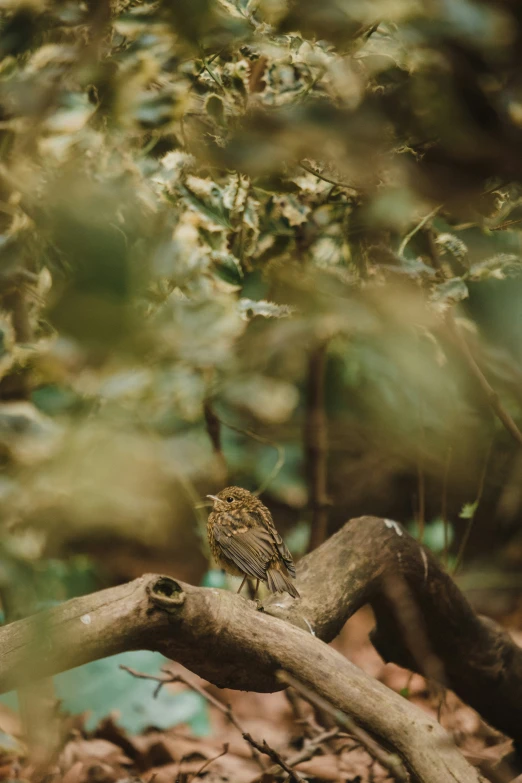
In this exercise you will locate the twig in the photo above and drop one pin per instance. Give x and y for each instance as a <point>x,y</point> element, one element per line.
<point>471,520</point>
<point>213,75</point>
<point>203,68</point>
<point>306,753</point>
<point>16,302</point>
<point>240,228</point>
<point>408,237</point>
<point>444,505</point>
<point>213,426</point>
<point>421,479</point>
<point>260,439</point>
<point>306,721</point>
<point>208,762</point>
<point>389,761</point>
<point>489,392</point>
<point>316,446</point>
<point>170,677</point>
<point>331,181</point>
<point>274,755</point>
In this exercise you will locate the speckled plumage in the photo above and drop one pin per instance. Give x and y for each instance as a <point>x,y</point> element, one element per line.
<point>244,541</point>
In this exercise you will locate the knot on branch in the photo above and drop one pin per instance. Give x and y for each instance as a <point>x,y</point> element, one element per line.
<point>165,593</point>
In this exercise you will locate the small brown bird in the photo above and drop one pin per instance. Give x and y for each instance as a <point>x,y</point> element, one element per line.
<point>244,541</point>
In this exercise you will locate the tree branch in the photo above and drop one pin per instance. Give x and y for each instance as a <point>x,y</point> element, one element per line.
<point>223,638</point>
<point>386,760</point>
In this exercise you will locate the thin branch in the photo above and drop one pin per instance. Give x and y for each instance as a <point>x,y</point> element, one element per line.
<point>331,181</point>
<point>389,761</point>
<point>471,520</point>
<point>444,505</point>
<point>170,677</point>
<point>208,762</point>
<point>275,756</point>
<point>213,426</point>
<point>409,237</point>
<point>16,302</point>
<point>316,445</point>
<point>421,478</point>
<point>309,749</point>
<point>266,441</point>
<point>489,392</point>
<point>240,228</point>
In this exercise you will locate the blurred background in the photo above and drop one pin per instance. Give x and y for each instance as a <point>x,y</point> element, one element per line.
<point>258,242</point>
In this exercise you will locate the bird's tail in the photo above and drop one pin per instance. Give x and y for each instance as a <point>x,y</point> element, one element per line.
<point>280,583</point>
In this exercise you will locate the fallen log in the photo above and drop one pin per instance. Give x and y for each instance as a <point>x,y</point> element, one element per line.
<point>228,641</point>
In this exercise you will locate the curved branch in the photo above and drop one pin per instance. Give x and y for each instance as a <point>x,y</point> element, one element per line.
<point>374,561</point>
<point>225,639</point>
<point>222,637</point>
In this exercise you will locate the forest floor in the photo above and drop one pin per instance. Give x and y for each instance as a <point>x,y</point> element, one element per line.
<point>286,723</point>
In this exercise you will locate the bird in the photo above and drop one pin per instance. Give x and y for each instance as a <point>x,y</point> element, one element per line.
<point>244,541</point>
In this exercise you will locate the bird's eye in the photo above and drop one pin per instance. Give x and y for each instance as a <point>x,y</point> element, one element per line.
<point>230,499</point>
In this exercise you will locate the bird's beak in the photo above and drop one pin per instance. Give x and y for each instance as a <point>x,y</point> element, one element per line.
<point>213,497</point>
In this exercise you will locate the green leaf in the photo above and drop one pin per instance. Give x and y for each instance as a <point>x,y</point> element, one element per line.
<point>434,534</point>
<point>215,577</point>
<point>52,399</point>
<point>217,215</point>
<point>101,687</point>
<point>298,538</point>
<point>468,510</point>
<point>227,268</point>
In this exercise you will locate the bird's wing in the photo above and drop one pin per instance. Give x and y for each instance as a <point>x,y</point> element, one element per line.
<point>250,549</point>
<point>281,547</point>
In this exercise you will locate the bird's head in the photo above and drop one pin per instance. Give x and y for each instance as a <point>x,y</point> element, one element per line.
<point>233,498</point>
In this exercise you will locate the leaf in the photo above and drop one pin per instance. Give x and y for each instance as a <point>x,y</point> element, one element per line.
<point>154,111</point>
<point>497,267</point>
<point>53,399</point>
<point>227,267</point>
<point>250,308</point>
<point>215,214</point>
<point>214,578</point>
<point>270,399</point>
<point>468,510</point>
<point>434,534</point>
<point>298,538</point>
<point>291,208</point>
<point>449,243</point>
<point>216,109</point>
<point>101,687</point>
<point>449,293</point>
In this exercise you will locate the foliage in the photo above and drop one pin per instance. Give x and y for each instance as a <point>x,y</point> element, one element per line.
<point>193,197</point>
